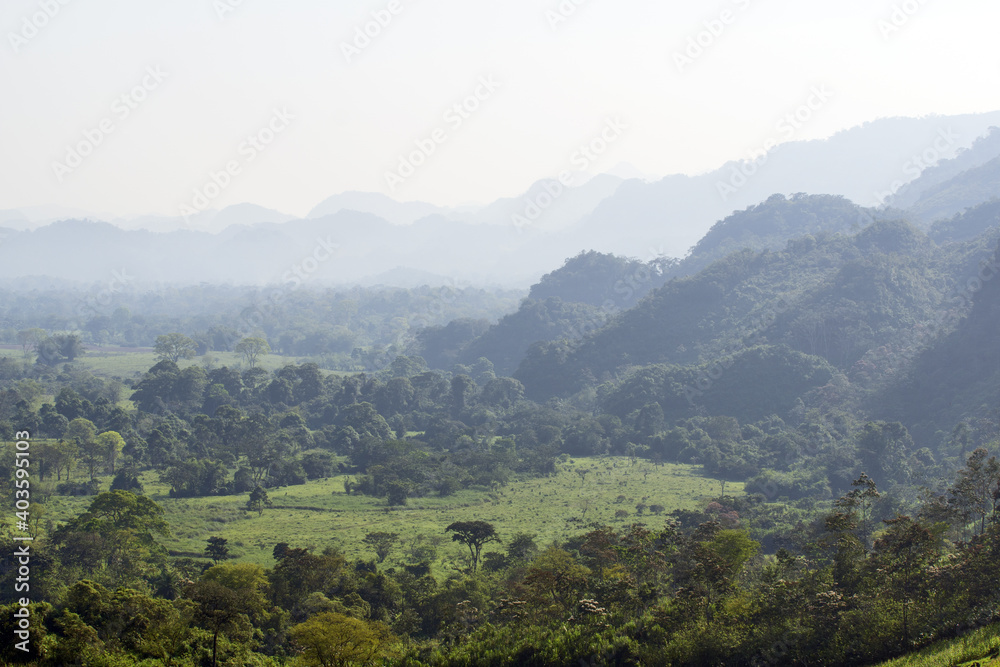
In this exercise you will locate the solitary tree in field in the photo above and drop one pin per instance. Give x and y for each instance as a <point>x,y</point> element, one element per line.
<point>258,501</point>
<point>473,534</point>
<point>381,543</point>
<point>217,549</point>
<point>252,349</point>
<point>174,346</point>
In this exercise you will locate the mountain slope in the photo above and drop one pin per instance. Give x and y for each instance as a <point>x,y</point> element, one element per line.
<point>861,163</point>
<point>831,296</point>
<point>957,194</point>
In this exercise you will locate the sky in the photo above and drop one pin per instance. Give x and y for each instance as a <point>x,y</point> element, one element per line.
<point>129,107</point>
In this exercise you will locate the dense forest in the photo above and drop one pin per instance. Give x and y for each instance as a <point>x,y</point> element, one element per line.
<point>835,364</point>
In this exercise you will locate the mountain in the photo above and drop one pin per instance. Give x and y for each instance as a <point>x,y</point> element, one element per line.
<point>32,217</point>
<point>567,303</point>
<point>971,223</point>
<point>831,297</point>
<point>211,221</point>
<point>956,377</point>
<point>398,213</point>
<point>863,164</point>
<point>959,193</point>
<point>982,150</point>
<point>772,223</point>
<point>577,298</point>
<point>514,241</point>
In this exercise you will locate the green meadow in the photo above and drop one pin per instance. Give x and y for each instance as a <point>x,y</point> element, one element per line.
<point>320,513</point>
<point>127,363</point>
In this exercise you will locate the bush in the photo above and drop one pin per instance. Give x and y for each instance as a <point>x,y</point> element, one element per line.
<point>126,480</point>
<point>91,488</point>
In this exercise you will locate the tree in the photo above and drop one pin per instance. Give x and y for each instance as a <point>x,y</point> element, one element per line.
<point>396,492</point>
<point>80,429</point>
<point>902,555</point>
<point>556,578</point>
<point>29,339</point>
<point>126,510</point>
<point>330,639</point>
<point>381,543</point>
<point>258,501</point>
<point>111,444</point>
<point>522,547</point>
<point>883,448</point>
<point>217,549</point>
<point>83,434</point>
<point>174,347</point>
<point>114,537</point>
<point>252,349</point>
<point>230,597</point>
<point>58,348</point>
<point>973,492</point>
<point>473,534</point>
<point>860,501</point>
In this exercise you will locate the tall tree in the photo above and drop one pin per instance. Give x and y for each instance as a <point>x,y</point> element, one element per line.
<point>473,534</point>
<point>174,347</point>
<point>252,349</point>
<point>382,543</point>
<point>230,599</point>
<point>29,339</point>
<point>335,640</point>
<point>973,493</point>
<point>258,501</point>
<point>111,444</point>
<point>217,549</point>
<point>860,501</point>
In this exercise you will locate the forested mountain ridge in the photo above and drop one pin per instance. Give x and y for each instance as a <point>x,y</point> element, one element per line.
<point>949,186</point>
<point>567,303</point>
<point>605,285</point>
<point>959,193</point>
<point>814,296</point>
<point>958,377</point>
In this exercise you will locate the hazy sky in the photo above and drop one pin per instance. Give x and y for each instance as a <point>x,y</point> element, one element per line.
<point>199,77</point>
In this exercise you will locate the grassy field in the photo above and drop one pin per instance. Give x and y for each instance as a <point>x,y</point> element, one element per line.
<point>319,513</point>
<point>131,364</point>
<point>981,647</point>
